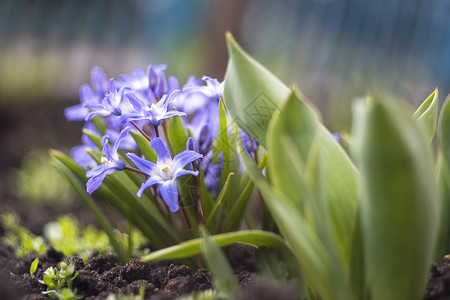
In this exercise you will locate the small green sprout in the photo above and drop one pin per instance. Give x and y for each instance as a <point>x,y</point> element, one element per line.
<point>34,266</point>
<point>60,282</point>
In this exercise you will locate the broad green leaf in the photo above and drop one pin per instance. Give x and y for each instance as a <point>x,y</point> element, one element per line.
<point>144,146</point>
<point>317,265</point>
<point>443,165</point>
<point>255,238</point>
<point>399,205</point>
<point>297,125</point>
<point>444,132</point>
<point>251,93</point>
<point>223,278</point>
<point>443,240</point>
<point>427,113</point>
<point>177,134</point>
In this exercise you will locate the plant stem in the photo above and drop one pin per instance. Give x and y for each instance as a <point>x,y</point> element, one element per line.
<point>185,218</point>
<point>141,131</point>
<point>135,170</point>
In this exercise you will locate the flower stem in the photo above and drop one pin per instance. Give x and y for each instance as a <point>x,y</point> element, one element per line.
<point>141,131</point>
<point>135,170</point>
<point>185,218</point>
<point>156,131</point>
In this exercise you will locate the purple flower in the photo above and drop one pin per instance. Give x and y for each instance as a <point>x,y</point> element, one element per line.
<point>153,113</point>
<point>212,171</point>
<point>110,105</point>
<point>79,154</point>
<point>157,80</point>
<point>88,95</point>
<point>110,163</point>
<point>165,171</point>
<point>197,96</point>
<point>138,81</point>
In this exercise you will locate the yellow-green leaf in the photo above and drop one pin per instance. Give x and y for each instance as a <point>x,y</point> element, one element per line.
<point>399,204</point>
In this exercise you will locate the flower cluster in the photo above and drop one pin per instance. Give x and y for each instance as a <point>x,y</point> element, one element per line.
<point>141,101</point>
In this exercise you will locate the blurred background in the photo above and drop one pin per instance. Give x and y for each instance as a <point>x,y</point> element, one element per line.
<point>335,50</point>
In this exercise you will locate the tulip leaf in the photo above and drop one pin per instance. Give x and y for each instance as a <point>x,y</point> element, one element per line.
<point>427,113</point>
<point>251,93</point>
<point>292,133</point>
<point>313,256</point>
<point>399,204</point>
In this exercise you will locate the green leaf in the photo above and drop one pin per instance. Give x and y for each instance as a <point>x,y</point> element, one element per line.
<point>94,137</point>
<point>223,278</point>
<point>317,264</point>
<point>251,93</point>
<point>443,240</point>
<point>92,206</point>
<point>214,218</point>
<point>177,134</point>
<point>443,168</point>
<point>34,266</point>
<point>444,132</point>
<point>427,113</point>
<point>233,220</point>
<point>292,133</point>
<point>255,238</point>
<point>144,146</point>
<point>99,124</point>
<point>399,204</point>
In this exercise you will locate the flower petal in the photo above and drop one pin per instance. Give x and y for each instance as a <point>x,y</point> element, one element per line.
<point>151,181</point>
<point>76,113</point>
<point>98,175</point>
<point>183,158</point>
<point>173,113</point>
<point>169,192</point>
<point>98,79</point>
<point>182,172</point>
<point>142,164</point>
<point>122,135</point>
<point>160,147</point>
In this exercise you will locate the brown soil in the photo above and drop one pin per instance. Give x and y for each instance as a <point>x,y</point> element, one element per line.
<point>102,276</point>
<point>439,284</point>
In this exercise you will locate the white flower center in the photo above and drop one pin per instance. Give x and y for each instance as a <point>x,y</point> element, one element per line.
<point>166,173</point>
<point>104,160</point>
<point>153,106</point>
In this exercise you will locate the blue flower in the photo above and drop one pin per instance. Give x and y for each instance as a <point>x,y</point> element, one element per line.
<point>138,81</point>
<point>165,171</point>
<point>88,95</point>
<point>212,171</point>
<point>110,105</point>
<point>154,113</point>
<point>110,163</point>
<point>157,80</point>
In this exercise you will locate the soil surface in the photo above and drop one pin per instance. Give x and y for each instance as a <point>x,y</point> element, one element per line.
<point>102,276</point>
<point>439,284</point>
